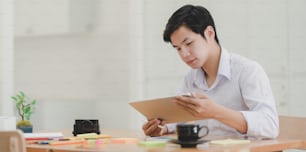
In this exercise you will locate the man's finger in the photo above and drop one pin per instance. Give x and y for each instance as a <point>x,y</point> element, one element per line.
<point>151,129</point>
<point>200,95</point>
<point>146,125</point>
<point>188,100</point>
<point>181,103</point>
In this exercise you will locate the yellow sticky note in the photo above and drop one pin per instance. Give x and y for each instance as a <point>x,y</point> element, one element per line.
<point>87,135</point>
<point>229,142</point>
<point>152,143</point>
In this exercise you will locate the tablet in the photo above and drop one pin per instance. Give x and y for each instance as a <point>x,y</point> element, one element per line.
<point>163,108</point>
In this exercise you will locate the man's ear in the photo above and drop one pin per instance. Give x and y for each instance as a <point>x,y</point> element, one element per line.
<point>209,33</point>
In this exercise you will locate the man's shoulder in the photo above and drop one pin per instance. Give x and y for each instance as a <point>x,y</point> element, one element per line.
<point>239,61</point>
<point>241,64</point>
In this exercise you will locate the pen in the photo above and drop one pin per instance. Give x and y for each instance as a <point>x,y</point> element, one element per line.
<point>58,139</point>
<point>161,126</point>
<point>161,129</point>
<point>37,138</point>
<point>42,142</point>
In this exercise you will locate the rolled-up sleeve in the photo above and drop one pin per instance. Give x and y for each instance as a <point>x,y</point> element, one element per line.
<point>171,127</point>
<point>262,118</point>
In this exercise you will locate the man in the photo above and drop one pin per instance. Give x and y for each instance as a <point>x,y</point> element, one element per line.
<point>231,93</point>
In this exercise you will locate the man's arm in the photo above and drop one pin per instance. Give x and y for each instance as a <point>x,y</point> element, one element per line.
<point>199,105</point>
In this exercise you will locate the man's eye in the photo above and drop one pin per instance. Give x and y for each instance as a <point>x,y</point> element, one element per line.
<point>178,49</point>
<point>188,43</point>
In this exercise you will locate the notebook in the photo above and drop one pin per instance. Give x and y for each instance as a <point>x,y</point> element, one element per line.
<point>163,108</point>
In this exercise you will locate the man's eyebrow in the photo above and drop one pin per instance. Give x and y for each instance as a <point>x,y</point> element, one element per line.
<point>185,39</point>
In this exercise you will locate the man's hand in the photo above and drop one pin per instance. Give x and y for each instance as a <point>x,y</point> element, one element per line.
<point>154,127</point>
<point>198,104</point>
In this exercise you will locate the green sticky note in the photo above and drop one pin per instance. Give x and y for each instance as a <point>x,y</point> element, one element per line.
<point>152,143</point>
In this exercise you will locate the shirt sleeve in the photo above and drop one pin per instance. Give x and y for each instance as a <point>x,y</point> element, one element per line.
<point>171,127</point>
<point>262,118</point>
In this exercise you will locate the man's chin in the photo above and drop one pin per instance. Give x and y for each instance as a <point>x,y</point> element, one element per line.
<point>194,66</point>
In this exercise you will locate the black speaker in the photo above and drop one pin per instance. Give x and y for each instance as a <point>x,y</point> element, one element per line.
<point>83,126</point>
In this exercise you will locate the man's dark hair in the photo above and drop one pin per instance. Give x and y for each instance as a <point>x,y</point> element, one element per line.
<point>196,18</point>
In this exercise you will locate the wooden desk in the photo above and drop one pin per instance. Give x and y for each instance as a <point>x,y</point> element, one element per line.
<point>254,146</point>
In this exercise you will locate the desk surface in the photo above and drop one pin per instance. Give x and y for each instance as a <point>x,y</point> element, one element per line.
<point>253,146</point>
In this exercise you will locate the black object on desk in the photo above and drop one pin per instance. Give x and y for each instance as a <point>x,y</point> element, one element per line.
<point>82,126</point>
<point>188,144</point>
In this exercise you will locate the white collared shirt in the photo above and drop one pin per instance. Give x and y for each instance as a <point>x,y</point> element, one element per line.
<point>241,85</point>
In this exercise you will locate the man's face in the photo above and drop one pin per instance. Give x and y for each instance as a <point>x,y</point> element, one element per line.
<point>192,47</point>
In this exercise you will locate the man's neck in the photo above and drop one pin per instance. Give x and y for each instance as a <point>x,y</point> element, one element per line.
<point>212,64</point>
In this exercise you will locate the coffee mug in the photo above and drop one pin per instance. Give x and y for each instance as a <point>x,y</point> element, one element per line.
<point>190,132</point>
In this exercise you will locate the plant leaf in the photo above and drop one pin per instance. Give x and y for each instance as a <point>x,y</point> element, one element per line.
<point>14,98</point>
<point>18,104</point>
<point>22,94</point>
<point>21,99</point>
<point>28,115</point>
<point>24,105</point>
<point>33,102</point>
<point>27,110</point>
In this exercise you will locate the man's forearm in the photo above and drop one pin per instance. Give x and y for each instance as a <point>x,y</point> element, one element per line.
<point>231,118</point>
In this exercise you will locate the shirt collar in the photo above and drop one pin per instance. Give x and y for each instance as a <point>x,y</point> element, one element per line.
<point>223,70</point>
<point>225,64</point>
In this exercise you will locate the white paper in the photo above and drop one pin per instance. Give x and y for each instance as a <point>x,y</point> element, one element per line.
<point>44,135</point>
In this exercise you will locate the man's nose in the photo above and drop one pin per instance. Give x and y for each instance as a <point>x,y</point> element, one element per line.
<point>185,52</point>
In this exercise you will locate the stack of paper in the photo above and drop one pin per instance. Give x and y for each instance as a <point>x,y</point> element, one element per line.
<point>43,136</point>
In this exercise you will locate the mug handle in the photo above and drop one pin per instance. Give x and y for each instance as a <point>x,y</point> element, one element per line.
<point>207,131</point>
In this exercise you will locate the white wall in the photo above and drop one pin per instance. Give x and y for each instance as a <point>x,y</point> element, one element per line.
<point>270,32</point>
<point>118,55</point>
<point>95,71</point>
<point>6,57</point>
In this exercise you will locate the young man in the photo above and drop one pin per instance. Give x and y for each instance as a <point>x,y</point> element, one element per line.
<point>231,93</point>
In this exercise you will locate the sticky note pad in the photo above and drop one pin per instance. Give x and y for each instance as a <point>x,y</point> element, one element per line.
<point>104,136</point>
<point>93,143</point>
<point>70,142</point>
<point>92,136</point>
<point>98,137</point>
<point>229,142</point>
<point>160,138</point>
<point>124,140</point>
<point>87,135</point>
<point>152,143</point>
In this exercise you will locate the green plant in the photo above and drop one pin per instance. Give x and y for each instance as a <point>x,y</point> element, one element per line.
<point>25,107</point>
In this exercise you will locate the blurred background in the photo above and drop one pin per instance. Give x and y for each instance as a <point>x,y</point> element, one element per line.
<point>86,59</point>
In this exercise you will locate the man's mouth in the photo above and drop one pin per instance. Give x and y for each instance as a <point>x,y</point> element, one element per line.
<point>190,62</point>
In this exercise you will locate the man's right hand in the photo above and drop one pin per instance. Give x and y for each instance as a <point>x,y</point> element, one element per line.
<point>154,127</point>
